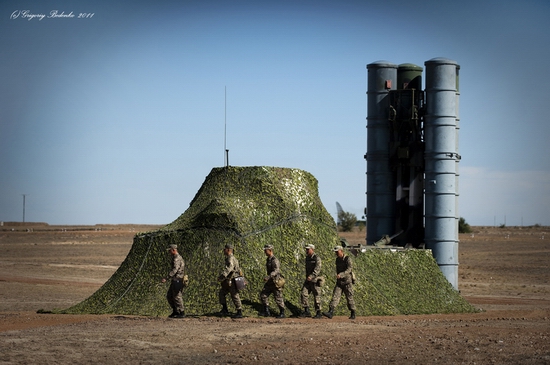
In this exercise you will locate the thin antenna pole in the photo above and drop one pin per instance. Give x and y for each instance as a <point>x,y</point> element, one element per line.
<point>225,155</point>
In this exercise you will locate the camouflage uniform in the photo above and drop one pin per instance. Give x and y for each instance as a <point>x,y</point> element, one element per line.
<point>273,268</point>
<point>174,295</point>
<point>343,284</point>
<point>231,271</point>
<point>313,269</point>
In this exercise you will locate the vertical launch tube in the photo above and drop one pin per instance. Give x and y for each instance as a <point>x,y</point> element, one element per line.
<point>409,162</point>
<point>382,77</point>
<point>440,127</point>
<point>458,157</point>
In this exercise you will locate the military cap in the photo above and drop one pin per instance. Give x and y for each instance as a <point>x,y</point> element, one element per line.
<point>337,248</point>
<point>310,246</point>
<point>268,247</point>
<point>172,247</point>
<point>229,246</point>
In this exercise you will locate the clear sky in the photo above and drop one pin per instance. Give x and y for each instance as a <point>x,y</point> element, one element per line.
<point>119,117</point>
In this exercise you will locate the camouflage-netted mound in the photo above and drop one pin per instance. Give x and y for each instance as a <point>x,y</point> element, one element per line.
<point>250,207</point>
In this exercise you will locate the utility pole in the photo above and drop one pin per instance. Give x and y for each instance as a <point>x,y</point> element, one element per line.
<point>24,196</point>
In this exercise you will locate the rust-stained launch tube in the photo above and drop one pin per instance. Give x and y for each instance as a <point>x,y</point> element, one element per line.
<point>440,131</point>
<point>380,211</point>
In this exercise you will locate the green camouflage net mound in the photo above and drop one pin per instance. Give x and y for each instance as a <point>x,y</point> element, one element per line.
<point>250,207</point>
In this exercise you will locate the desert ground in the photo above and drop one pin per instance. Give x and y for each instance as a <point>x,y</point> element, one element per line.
<point>503,271</point>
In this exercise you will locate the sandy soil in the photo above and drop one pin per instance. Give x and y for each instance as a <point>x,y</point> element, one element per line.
<point>504,271</point>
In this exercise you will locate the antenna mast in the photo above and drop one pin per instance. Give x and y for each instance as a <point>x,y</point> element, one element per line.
<point>226,151</point>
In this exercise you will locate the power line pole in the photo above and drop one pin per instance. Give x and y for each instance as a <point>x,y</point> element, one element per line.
<point>24,196</point>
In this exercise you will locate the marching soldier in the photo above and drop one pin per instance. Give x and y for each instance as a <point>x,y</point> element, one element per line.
<point>313,269</point>
<point>174,295</point>
<point>273,268</point>
<point>344,283</point>
<point>230,271</point>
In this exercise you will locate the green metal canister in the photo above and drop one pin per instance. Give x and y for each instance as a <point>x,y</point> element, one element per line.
<point>409,76</point>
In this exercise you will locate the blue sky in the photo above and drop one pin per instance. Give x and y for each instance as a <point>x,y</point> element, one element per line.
<point>118,118</point>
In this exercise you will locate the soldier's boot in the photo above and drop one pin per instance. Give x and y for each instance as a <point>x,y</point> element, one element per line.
<point>180,315</point>
<point>305,313</point>
<point>330,313</point>
<point>266,312</point>
<point>281,312</point>
<point>352,316</point>
<point>174,313</point>
<point>224,311</point>
<point>239,314</point>
<point>318,315</point>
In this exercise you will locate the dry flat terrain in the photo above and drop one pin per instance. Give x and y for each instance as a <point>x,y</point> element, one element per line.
<point>504,271</point>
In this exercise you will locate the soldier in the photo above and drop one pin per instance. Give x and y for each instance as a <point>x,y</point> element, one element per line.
<point>273,268</point>
<point>343,283</point>
<point>313,269</point>
<point>175,276</point>
<point>230,271</point>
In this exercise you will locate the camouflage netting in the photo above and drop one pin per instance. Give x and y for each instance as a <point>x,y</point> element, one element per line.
<point>250,207</point>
